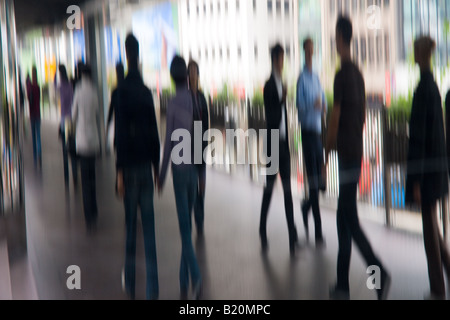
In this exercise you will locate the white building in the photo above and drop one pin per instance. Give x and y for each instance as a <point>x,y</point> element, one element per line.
<point>231,41</point>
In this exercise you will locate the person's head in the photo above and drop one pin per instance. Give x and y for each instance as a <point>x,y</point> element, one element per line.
<point>86,72</point>
<point>63,74</point>
<point>344,33</point>
<point>277,55</point>
<point>308,47</point>
<point>34,74</point>
<point>178,71</point>
<point>120,72</point>
<point>423,49</point>
<point>132,50</point>
<point>193,74</point>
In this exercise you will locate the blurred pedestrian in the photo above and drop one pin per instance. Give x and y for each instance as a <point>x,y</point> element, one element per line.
<point>427,172</point>
<point>275,93</point>
<point>312,107</point>
<point>120,73</point>
<point>86,120</point>
<point>66,98</point>
<point>200,114</point>
<point>138,152</point>
<point>34,98</point>
<point>346,131</point>
<point>180,115</point>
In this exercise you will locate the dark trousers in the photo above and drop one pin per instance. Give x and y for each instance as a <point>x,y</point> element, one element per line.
<point>74,163</point>
<point>285,173</point>
<point>348,227</point>
<point>36,136</point>
<point>87,166</point>
<point>313,156</point>
<point>199,205</point>
<point>138,182</point>
<point>436,250</point>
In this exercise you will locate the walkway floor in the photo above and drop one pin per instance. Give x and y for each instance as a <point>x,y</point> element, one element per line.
<point>230,257</point>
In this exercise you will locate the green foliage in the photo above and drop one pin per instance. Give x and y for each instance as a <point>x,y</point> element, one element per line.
<point>258,99</point>
<point>225,96</point>
<point>400,107</point>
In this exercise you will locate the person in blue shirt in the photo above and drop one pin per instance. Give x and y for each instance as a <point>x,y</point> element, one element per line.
<point>311,105</point>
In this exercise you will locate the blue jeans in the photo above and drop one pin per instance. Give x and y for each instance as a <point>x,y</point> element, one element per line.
<point>138,183</point>
<point>199,205</point>
<point>185,181</point>
<point>36,136</point>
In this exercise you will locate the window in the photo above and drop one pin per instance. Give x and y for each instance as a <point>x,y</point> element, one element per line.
<point>363,50</point>
<point>198,10</point>
<point>206,53</point>
<point>218,7</point>
<point>188,9</point>
<point>346,9</point>
<point>286,7</point>
<point>269,6</point>
<point>278,7</point>
<point>213,53</point>
<point>339,6</point>
<point>199,54</point>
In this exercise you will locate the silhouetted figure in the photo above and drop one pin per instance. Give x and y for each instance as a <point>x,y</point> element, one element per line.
<point>120,73</point>
<point>180,115</point>
<point>66,97</point>
<point>276,117</point>
<point>86,119</point>
<point>427,172</point>
<point>346,128</point>
<point>34,98</point>
<point>312,107</point>
<point>138,151</point>
<point>200,114</point>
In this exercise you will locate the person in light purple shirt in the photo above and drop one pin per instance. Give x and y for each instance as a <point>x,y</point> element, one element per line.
<point>66,97</point>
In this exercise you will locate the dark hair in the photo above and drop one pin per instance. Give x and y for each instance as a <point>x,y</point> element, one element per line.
<point>86,71</point>
<point>192,64</point>
<point>178,70</point>
<point>306,41</point>
<point>132,48</point>
<point>276,52</point>
<point>344,26</point>
<point>63,73</point>
<point>120,72</point>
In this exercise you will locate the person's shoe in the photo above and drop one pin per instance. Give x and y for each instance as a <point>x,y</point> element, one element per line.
<point>128,292</point>
<point>339,294</point>
<point>183,294</point>
<point>383,292</point>
<point>198,291</point>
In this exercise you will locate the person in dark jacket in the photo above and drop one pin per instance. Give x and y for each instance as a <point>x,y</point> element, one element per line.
<point>138,151</point>
<point>200,114</point>
<point>427,172</point>
<point>276,115</point>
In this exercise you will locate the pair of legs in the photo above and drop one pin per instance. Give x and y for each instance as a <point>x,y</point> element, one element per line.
<point>348,228</point>
<point>285,173</point>
<point>185,180</point>
<point>436,250</point>
<point>138,183</point>
<point>87,166</point>
<point>36,137</point>
<point>199,206</point>
<point>313,156</point>
<point>74,163</point>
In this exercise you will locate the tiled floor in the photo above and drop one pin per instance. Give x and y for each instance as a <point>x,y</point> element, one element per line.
<point>230,257</point>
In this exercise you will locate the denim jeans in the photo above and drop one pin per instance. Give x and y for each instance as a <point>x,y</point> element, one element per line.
<point>199,206</point>
<point>348,227</point>
<point>138,183</point>
<point>36,136</point>
<point>185,179</point>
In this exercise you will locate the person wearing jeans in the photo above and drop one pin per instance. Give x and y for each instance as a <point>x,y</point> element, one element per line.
<point>138,152</point>
<point>180,117</point>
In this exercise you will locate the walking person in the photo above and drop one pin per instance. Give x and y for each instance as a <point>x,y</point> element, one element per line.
<point>86,119</point>
<point>66,98</point>
<point>346,131</point>
<point>200,114</point>
<point>34,98</point>
<point>120,73</point>
<point>312,107</point>
<point>276,116</point>
<point>180,115</point>
<point>138,152</point>
<point>427,172</point>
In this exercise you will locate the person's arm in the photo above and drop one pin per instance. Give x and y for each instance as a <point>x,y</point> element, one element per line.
<point>155,144</point>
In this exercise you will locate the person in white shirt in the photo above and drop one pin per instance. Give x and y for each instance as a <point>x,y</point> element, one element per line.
<point>86,121</point>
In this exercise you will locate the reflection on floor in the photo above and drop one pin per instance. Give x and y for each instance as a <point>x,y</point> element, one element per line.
<point>230,256</point>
